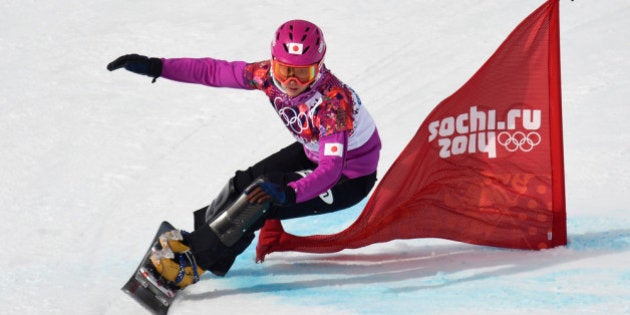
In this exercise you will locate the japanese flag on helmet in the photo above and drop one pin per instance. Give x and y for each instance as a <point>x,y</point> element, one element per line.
<point>295,48</point>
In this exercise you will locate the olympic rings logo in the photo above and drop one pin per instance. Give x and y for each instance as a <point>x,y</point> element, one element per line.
<point>519,140</point>
<point>294,120</point>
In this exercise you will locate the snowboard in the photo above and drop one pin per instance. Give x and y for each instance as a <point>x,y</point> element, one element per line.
<point>146,286</point>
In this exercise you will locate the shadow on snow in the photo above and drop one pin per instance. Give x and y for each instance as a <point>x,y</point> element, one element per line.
<point>431,266</point>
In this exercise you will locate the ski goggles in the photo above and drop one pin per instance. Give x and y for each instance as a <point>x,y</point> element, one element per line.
<point>303,75</point>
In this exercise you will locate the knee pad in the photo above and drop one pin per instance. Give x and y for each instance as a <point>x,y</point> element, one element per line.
<point>226,197</point>
<point>234,222</point>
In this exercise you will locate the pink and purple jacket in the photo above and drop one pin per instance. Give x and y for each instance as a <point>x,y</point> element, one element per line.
<point>337,132</point>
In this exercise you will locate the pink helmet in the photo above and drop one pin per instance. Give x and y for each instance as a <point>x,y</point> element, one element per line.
<point>299,43</point>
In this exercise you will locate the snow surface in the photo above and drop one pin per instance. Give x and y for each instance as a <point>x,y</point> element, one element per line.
<point>92,161</point>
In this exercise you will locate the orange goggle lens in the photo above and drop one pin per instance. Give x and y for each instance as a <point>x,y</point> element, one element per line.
<point>303,74</point>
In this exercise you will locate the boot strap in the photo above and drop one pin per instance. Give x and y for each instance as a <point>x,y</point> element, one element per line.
<point>187,259</point>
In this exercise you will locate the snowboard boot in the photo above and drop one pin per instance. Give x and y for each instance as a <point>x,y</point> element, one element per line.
<point>175,261</point>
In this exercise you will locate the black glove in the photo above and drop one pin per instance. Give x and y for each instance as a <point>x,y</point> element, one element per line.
<point>267,190</point>
<point>138,64</point>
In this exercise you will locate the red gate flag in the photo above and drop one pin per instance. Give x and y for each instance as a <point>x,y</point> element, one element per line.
<point>486,166</point>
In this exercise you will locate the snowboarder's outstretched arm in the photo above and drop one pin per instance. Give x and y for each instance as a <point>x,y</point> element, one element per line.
<point>206,71</point>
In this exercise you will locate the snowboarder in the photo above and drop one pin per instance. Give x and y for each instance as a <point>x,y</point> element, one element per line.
<point>330,167</point>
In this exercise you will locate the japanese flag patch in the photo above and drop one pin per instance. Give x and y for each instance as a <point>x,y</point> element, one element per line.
<point>333,149</point>
<point>295,48</point>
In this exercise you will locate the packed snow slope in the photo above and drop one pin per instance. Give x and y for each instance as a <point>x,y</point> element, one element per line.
<point>92,161</point>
